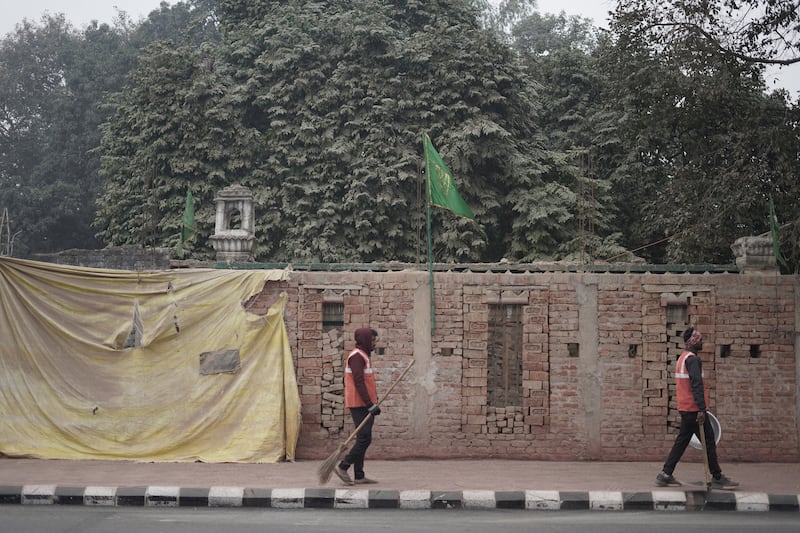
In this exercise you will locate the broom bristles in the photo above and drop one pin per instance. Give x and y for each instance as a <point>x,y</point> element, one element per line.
<point>326,468</point>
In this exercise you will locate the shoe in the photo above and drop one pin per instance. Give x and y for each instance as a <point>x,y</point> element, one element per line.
<point>343,475</point>
<point>365,481</point>
<point>723,482</point>
<point>666,480</point>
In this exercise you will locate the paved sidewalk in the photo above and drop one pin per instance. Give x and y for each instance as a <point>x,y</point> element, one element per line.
<point>490,483</point>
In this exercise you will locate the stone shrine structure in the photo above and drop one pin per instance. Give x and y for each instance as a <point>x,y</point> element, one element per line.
<point>234,225</point>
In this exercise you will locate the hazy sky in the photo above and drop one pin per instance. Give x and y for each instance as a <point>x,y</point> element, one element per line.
<point>80,12</point>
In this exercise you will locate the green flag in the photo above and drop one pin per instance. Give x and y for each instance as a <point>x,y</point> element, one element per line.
<point>189,227</point>
<point>442,190</point>
<point>774,229</point>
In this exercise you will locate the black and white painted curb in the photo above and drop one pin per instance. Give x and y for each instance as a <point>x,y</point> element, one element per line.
<point>322,498</point>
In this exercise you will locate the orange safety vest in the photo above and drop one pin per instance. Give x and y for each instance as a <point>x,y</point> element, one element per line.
<point>684,386</point>
<point>351,396</point>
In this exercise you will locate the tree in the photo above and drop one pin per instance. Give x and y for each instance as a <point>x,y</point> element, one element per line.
<point>54,81</point>
<point>502,15</point>
<point>190,22</point>
<point>175,129</point>
<point>703,147</point>
<point>558,51</point>
<point>751,31</point>
<point>336,112</point>
<point>48,113</point>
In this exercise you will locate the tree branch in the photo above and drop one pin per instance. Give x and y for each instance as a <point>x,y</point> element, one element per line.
<point>713,40</point>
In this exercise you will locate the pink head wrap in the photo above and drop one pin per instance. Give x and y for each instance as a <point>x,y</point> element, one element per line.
<point>695,340</point>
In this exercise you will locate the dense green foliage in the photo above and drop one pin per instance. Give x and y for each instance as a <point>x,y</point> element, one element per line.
<point>702,148</point>
<point>52,79</point>
<point>54,84</point>
<point>558,53</point>
<point>567,143</point>
<point>326,123</point>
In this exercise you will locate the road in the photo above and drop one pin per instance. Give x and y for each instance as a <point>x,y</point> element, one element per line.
<point>79,519</point>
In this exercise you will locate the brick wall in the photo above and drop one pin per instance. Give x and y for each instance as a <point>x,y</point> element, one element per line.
<point>113,257</point>
<point>598,355</point>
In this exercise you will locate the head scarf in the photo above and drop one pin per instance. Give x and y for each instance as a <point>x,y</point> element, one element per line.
<point>694,338</point>
<point>364,338</point>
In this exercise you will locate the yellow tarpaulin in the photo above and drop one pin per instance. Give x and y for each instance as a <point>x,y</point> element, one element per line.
<point>150,366</point>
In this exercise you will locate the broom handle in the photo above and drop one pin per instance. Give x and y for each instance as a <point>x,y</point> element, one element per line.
<point>380,400</point>
<point>705,453</point>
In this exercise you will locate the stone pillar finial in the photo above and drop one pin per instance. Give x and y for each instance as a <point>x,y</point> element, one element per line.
<point>234,225</point>
<point>755,255</point>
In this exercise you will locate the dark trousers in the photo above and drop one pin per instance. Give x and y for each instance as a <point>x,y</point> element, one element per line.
<point>356,454</point>
<point>689,427</point>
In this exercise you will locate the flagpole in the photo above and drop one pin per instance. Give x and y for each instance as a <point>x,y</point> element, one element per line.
<point>441,192</point>
<point>420,187</point>
<point>430,240</point>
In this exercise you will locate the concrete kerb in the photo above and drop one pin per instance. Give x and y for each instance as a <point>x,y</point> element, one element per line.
<point>322,498</point>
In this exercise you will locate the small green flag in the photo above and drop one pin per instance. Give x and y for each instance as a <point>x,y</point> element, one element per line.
<point>442,190</point>
<point>774,229</point>
<point>189,228</point>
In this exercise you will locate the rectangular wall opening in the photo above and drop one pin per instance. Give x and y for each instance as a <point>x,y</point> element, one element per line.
<point>332,316</point>
<point>332,411</point>
<point>504,374</point>
<point>574,349</point>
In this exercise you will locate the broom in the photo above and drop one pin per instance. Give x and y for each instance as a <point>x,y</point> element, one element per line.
<point>326,468</point>
<point>705,455</point>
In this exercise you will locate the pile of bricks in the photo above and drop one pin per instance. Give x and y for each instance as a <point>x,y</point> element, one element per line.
<point>332,381</point>
<point>509,419</point>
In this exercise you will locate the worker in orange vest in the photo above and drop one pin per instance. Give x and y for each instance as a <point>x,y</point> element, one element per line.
<point>692,405</point>
<point>361,397</point>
